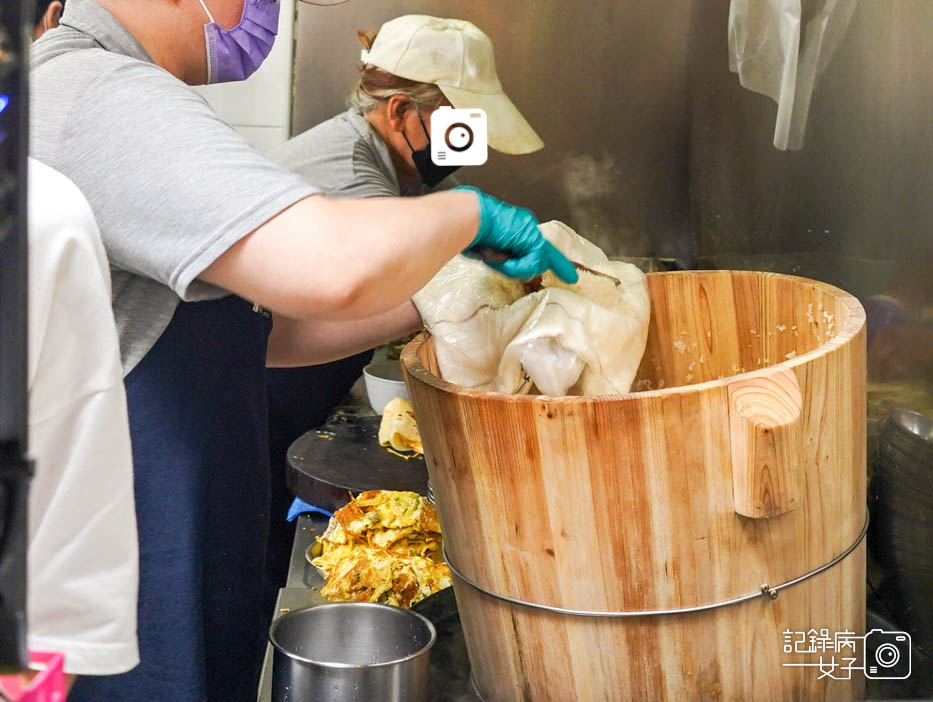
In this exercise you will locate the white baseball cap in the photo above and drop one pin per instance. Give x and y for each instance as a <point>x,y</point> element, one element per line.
<point>457,57</point>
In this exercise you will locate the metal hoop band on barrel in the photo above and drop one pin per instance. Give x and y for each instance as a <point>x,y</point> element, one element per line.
<point>766,591</point>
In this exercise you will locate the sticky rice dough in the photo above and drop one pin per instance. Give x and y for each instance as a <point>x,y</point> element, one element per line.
<point>601,289</point>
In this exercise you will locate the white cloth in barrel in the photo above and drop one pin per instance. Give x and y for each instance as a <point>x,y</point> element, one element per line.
<point>491,333</point>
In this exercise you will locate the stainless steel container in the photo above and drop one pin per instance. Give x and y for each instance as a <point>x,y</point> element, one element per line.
<point>903,515</point>
<point>347,651</point>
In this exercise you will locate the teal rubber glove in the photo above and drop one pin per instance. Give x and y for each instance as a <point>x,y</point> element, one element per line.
<point>514,231</point>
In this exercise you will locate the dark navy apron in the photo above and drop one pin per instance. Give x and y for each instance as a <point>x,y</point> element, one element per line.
<point>197,409</point>
<point>299,399</point>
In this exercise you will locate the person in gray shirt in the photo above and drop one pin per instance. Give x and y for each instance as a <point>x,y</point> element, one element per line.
<point>379,147</point>
<point>222,262</point>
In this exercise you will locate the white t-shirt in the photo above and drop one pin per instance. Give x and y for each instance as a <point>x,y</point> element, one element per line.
<point>83,564</point>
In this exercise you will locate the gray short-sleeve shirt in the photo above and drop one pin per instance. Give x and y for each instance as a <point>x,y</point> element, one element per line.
<point>171,184</point>
<point>346,157</point>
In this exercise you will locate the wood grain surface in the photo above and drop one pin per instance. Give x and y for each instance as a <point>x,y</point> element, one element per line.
<point>764,420</point>
<point>740,461</point>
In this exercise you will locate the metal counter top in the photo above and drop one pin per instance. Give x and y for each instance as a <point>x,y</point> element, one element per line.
<point>450,667</point>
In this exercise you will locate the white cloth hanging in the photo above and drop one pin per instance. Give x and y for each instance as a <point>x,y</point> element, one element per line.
<point>779,48</point>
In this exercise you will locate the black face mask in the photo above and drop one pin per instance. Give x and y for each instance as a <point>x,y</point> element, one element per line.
<point>431,174</point>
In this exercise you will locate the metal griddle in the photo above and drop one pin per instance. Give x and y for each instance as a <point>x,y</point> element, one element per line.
<point>344,456</point>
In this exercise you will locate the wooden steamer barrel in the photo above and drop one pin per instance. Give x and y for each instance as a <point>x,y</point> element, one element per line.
<point>742,466</point>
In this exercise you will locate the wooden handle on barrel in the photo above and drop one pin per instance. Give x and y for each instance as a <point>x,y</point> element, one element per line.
<point>764,423</point>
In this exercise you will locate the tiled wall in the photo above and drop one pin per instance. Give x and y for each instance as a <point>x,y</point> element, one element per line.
<point>259,107</point>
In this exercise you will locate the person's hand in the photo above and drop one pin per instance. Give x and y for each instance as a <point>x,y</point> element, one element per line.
<point>514,232</point>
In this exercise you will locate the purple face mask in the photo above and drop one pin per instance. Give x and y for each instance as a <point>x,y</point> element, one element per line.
<point>235,54</point>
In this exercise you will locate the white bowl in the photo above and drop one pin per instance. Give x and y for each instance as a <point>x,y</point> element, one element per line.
<point>383,383</point>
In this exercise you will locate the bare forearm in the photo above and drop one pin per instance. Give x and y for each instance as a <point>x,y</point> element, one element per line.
<point>310,342</point>
<point>346,259</point>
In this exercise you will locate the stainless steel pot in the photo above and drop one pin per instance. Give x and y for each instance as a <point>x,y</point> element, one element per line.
<point>903,516</point>
<point>347,651</point>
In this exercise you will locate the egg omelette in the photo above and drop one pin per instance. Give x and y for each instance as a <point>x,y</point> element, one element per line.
<point>384,546</point>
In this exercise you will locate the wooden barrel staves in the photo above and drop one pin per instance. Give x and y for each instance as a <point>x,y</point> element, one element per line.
<point>734,468</point>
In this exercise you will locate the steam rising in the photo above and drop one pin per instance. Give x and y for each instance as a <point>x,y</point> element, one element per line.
<point>589,185</point>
